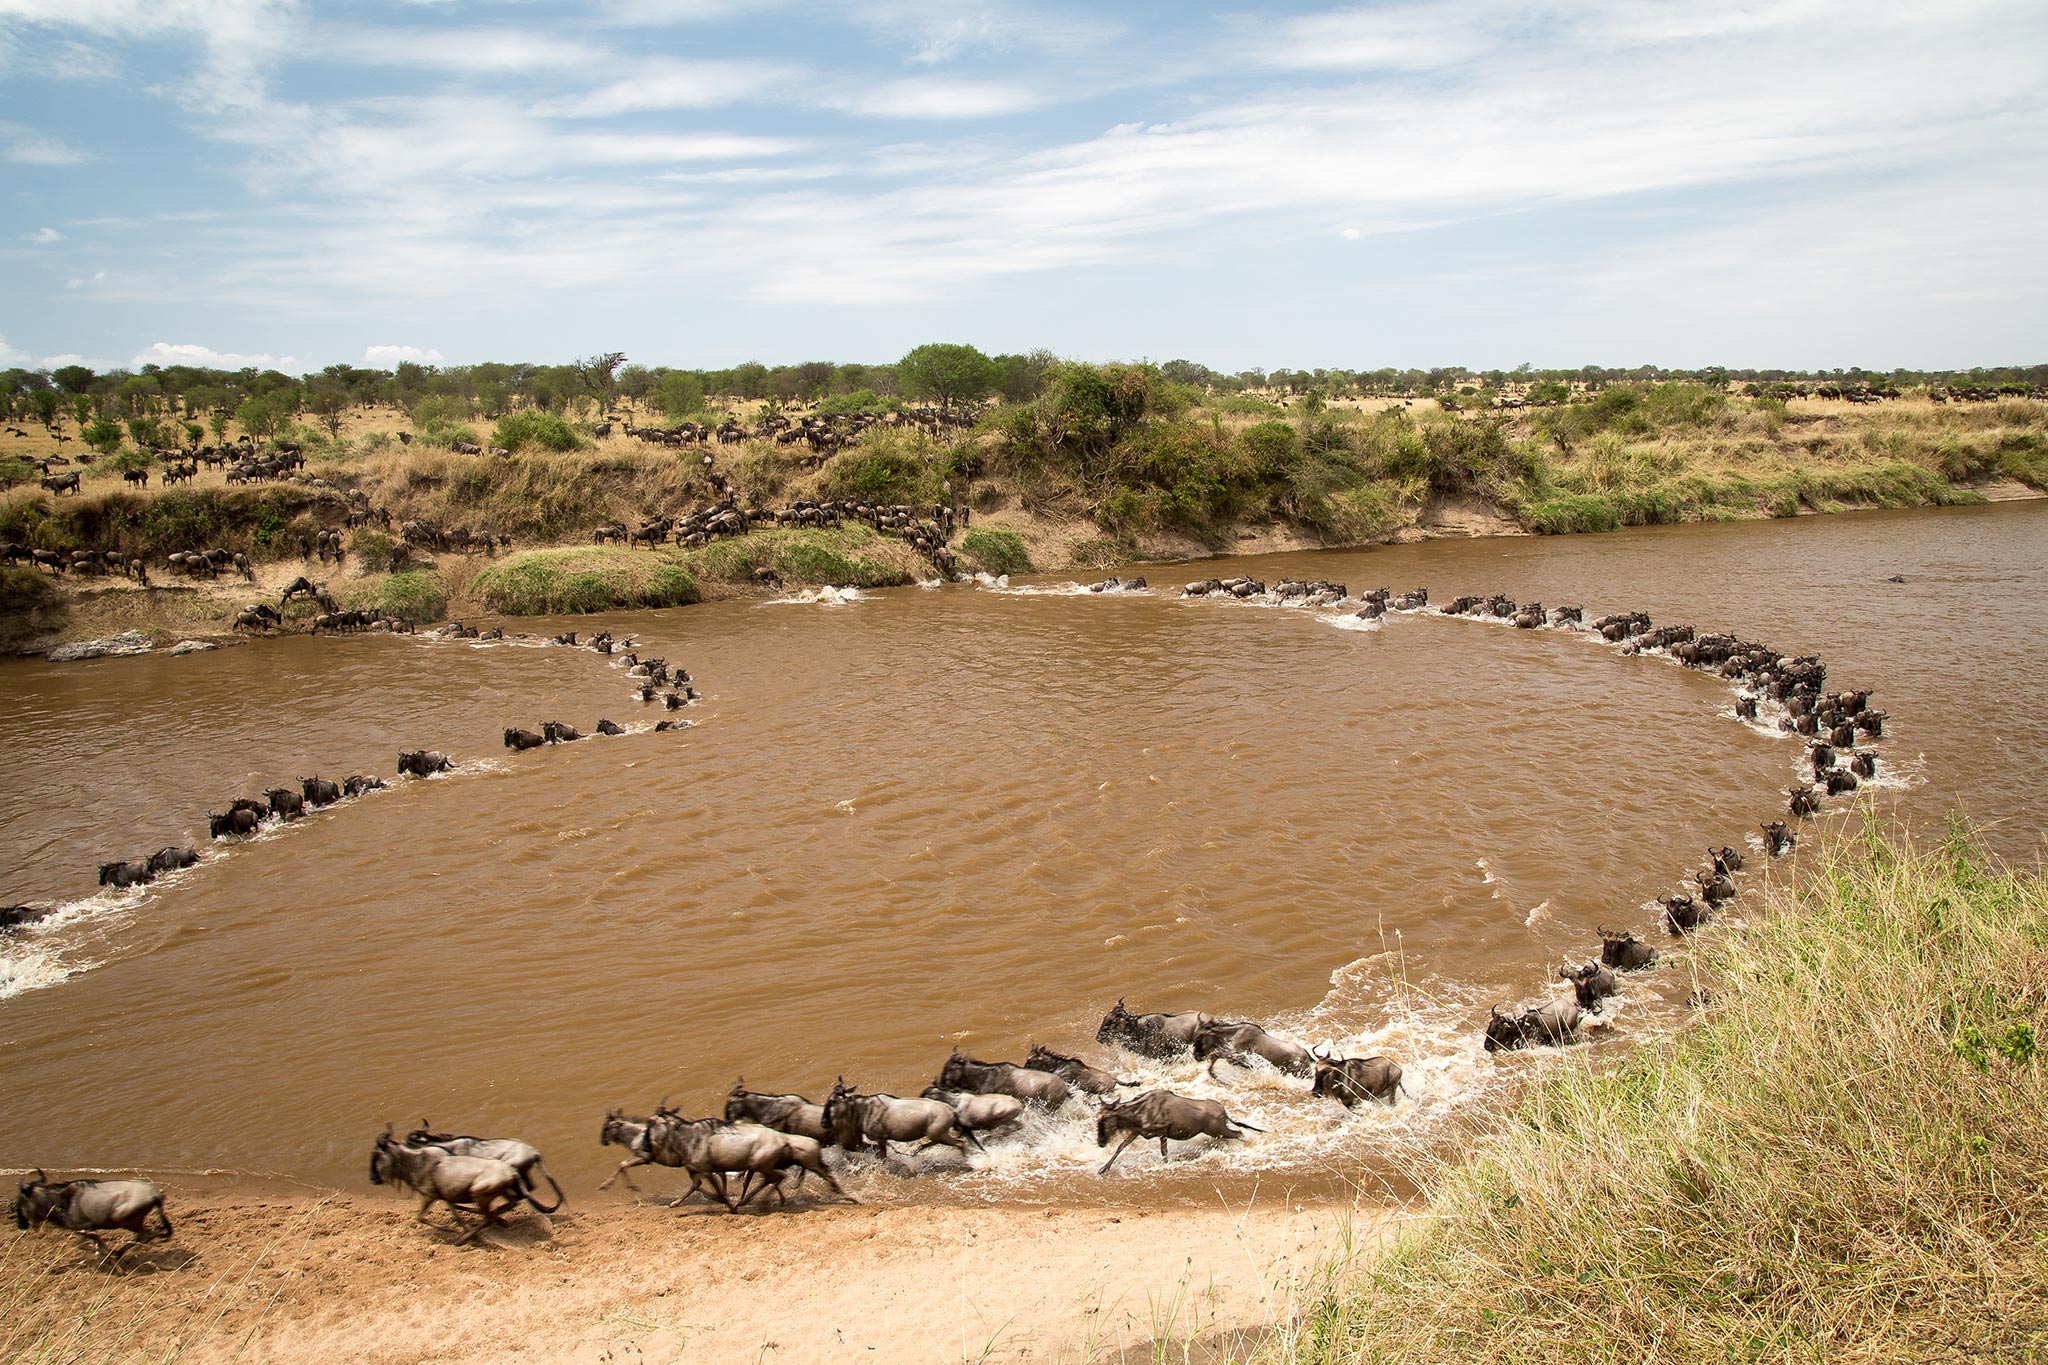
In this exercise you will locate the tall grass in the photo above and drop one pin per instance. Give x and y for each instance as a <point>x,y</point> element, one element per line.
<point>1844,1159</point>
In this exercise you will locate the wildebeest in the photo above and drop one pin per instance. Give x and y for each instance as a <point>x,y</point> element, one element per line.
<point>236,823</point>
<point>783,1113</point>
<point>358,784</point>
<point>170,859</point>
<point>522,1157</point>
<point>286,804</point>
<point>978,1112</point>
<point>523,739</point>
<point>1683,914</point>
<point>1074,1071</point>
<point>1625,951</point>
<point>1778,836</point>
<point>90,1207</point>
<point>1003,1078</point>
<point>605,727</point>
<point>1726,860</point>
<point>15,916</point>
<point>1553,1021</point>
<point>61,483</point>
<point>1591,983</point>
<point>1349,1080</point>
<point>853,1118</point>
<point>1151,1035</point>
<point>1237,1042</point>
<point>557,733</point>
<point>122,875</point>
<point>466,1184</point>
<point>422,763</point>
<point>1162,1114</point>
<point>318,791</point>
<point>716,1147</point>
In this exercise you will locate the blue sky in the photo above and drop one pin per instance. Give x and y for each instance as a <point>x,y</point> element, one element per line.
<point>700,182</point>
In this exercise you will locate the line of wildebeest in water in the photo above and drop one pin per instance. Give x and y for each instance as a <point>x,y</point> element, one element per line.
<point>249,815</point>
<point>764,1139</point>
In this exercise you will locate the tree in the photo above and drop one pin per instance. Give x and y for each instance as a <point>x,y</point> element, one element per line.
<point>948,371</point>
<point>103,435</point>
<point>327,398</point>
<point>72,378</point>
<point>600,375</point>
<point>259,417</point>
<point>217,423</point>
<point>679,394</point>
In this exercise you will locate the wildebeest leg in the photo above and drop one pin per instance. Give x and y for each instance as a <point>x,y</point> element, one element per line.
<point>620,1174</point>
<point>1162,1149</point>
<point>1128,1140</point>
<point>426,1202</point>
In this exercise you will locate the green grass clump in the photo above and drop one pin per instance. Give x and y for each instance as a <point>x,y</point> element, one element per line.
<point>995,551</point>
<point>848,556</point>
<point>415,595</point>
<point>575,580</point>
<point>24,590</point>
<point>1842,1159</point>
<point>535,427</point>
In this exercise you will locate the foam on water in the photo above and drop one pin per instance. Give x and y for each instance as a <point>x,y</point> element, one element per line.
<point>827,596</point>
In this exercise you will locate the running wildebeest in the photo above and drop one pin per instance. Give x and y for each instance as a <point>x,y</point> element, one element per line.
<point>90,1207</point>
<point>1238,1042</point>
<point>1075,1072</point>
<point>1162,1114</point>
<point>783,1113</point>
<point>1003,1078</point>
<point>466,1184</point>
<point>853,1118</point>
<point>1349,1080</point>
<point>979,1113</point>
<point>522,1157</point>
<point>1152,1035</point>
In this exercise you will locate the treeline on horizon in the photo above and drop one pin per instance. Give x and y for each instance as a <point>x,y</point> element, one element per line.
<point>947,373</point>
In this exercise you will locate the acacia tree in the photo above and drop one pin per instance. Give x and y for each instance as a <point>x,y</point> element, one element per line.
<point>327,399</point>
<point>948,371</point>
<point>600,374</point>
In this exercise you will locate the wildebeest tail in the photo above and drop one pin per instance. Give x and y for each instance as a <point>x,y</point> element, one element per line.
<point>526,1193</point>
<point>164,1216</point>
<point>1248,1127</point>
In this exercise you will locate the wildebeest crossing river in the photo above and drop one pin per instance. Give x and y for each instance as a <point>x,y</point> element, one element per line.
<point>962,817</point>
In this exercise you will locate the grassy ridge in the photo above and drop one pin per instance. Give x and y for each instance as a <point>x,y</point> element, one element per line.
<point>576,579</point>
<point>1846,1158</point>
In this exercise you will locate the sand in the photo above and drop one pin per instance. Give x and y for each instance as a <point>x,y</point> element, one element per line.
<point>353,1278</point>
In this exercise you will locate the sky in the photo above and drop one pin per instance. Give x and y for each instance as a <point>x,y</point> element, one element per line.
<point>1804,183</point>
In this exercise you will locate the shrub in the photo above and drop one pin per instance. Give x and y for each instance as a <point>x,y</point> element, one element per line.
<point>415,595</point>
<point>535,427</point>
<point>574,580</point>
<point>996,551</point>
<point>24,590</point>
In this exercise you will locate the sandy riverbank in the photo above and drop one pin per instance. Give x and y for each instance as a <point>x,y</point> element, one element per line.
<point>351,1278</point>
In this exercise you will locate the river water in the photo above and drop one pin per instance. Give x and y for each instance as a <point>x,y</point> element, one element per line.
<point>971,816</point>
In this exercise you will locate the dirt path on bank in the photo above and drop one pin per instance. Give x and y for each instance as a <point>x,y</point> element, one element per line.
<point>352,1278</point>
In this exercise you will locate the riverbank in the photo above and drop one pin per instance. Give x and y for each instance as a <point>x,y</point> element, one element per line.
<point>347,1277</point>
<point>1842,1160</point>
<point>1180,482</point>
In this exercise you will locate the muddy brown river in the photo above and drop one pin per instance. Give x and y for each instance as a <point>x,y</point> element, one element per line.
<point>971,816</point>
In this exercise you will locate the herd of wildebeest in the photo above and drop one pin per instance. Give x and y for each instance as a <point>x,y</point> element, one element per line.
<point>770,1140</point>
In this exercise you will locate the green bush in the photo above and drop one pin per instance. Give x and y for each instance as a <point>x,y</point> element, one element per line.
<point>535,427</point>
<point>15,471</point>
<point>414,595</point>
<point>24,590</point>
<point>881,470</point>
<point>576,580</point>
<point>996,551</point>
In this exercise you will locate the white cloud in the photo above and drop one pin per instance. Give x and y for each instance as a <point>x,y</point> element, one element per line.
<point>43,236</point>
<point>97,277</point>
<point>671,84</point>
<point>205,357</point>
<point>26,147</point>
<point>934,98</point>
<point>388,357</point>
<point>9,355</point>
<point>467,50</point>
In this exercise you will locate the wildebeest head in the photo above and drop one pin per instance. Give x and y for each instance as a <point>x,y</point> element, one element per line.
<point>1502,1030</point>
<point>1107,1124</point>
<point>1118,1023</point>
<point>380,1156</point>
<point>26,1196</point>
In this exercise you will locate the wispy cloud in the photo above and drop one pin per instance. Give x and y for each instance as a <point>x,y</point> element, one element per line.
<point>205,357</point>
<point>389,357</point>
<point>26,147</point>
<point>43,236</point>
